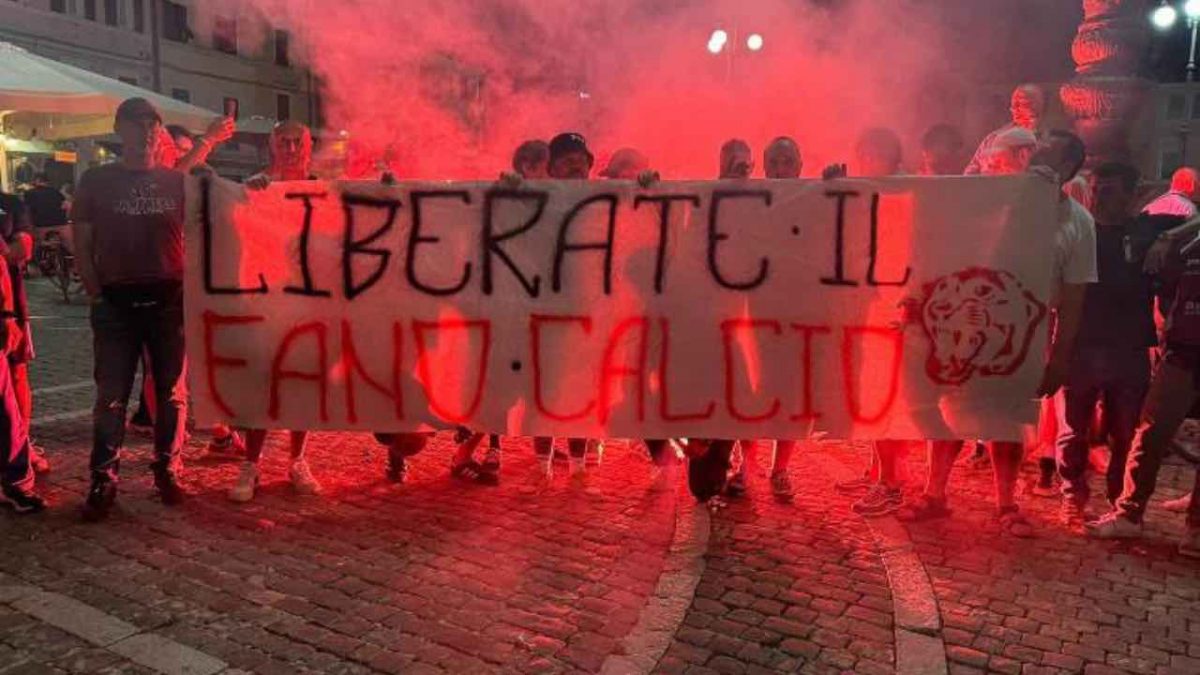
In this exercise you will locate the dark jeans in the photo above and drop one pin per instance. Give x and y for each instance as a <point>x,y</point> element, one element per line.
<point>15,470</point>
<point>1173,391</point>
<point>119,334</point>
<point>1119,378</point>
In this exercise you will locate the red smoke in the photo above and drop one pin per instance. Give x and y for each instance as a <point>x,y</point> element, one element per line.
<point>447,88</point>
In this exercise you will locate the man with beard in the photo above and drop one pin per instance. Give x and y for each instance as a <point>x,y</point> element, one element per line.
<point>129,243</point>
<point>1027,107</point>
<point>1060,158</point>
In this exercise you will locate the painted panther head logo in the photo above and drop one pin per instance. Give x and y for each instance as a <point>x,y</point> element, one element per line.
<point>979,322</point>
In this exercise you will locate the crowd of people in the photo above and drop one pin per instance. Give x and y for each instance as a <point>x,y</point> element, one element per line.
<point>1125,341</point>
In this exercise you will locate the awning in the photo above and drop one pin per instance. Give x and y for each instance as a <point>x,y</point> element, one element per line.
<point>50,100</point>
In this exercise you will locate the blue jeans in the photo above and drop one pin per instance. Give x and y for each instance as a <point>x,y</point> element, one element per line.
<point>15,470</point>
<point>119,335</point>
<point>1118,378</point>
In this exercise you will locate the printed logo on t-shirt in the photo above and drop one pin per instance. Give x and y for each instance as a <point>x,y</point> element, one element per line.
<point>980,322</point>
<point>144,200</point>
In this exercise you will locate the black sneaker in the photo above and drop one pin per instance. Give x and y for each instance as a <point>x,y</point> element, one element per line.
<point>397,470</point>
<point>168,488</point>
<point>100,500</point>
<point>489,471</point>
<point>23,501</point>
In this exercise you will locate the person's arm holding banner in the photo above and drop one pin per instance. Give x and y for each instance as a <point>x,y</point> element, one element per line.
<point>259,181</point>
<point>218,132</point>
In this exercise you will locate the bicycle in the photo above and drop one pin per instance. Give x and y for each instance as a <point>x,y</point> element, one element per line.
<point>56,262</point>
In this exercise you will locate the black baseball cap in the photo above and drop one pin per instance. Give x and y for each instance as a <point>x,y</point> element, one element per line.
<point>137,108</point>
<point>567,143</point>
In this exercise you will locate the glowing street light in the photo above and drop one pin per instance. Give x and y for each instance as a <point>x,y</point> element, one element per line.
<point>755,41</point>
<point>1164,18</point>
<point>717,42</point>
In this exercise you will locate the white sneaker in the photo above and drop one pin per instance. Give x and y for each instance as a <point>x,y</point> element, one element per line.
<point>1113,526</point>
<point>302,479</point>
<point>247,480</point>
<point>594,455</point>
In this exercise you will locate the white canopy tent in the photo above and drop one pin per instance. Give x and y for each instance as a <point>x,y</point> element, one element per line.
<point>48,100</point>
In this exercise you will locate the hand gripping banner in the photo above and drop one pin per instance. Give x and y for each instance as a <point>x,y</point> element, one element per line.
<point>902,308</point>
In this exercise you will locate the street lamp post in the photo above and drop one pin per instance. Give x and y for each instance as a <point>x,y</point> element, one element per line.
<point>1164,18</point>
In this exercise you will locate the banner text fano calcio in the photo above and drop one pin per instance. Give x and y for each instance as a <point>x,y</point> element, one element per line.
<point>755,309</point>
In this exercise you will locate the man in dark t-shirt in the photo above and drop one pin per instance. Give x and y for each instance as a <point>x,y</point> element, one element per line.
<point>1111,361</point>
<point>128,226</point>
<point>45,204</point>
<point>1174,389</point>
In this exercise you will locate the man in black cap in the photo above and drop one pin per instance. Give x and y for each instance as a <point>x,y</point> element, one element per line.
<point>128,227</point>
<point>570,158</point>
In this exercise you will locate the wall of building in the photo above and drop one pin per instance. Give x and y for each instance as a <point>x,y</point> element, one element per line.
<point>192,70</point>
<point>117,52</point>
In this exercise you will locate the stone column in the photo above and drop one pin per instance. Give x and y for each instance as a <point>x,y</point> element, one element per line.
<point>1106,93</point>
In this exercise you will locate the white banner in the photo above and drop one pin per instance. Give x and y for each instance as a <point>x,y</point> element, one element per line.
<point>758,309</point>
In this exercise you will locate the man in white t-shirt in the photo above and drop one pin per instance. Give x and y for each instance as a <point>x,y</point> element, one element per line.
<point>1180,200</point>
<point>1060,157</point>
<point>1027,108</point>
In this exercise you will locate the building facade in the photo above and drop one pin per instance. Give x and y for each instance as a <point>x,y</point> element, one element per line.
<point>206,59</point>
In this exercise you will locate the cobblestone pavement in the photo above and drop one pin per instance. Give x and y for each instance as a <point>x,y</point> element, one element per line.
<point>440,576</point>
